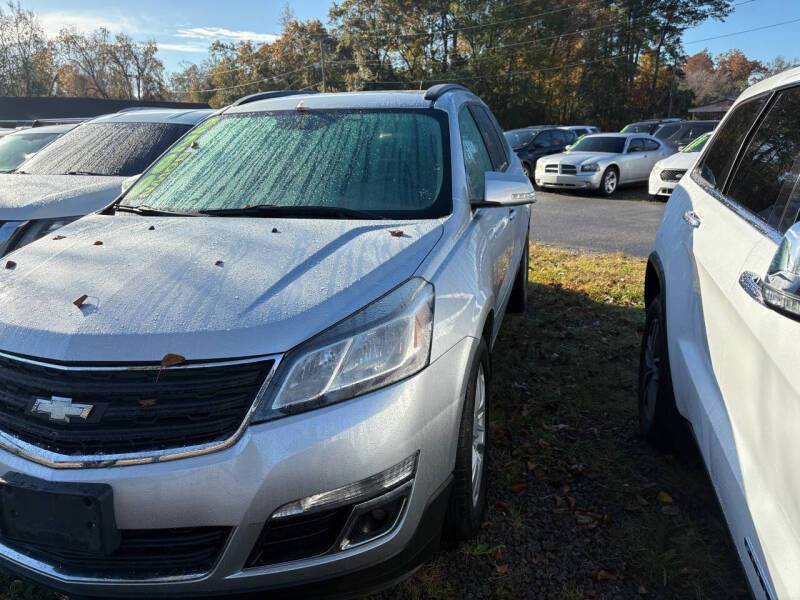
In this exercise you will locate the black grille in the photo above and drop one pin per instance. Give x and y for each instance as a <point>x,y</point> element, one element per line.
<point>569,169</point>
<point>133,410</point>
<point>551,168</point>
<point>142,553</point>
<point>671,174</point>
<point>293,538</point>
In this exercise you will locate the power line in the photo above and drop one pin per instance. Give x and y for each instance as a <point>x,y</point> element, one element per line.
<point>725,35</point>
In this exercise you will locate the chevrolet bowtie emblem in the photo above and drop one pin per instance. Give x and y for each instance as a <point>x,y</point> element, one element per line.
<point>61,409</point>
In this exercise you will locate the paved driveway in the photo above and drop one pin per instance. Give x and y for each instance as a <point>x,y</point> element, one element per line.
<point>624,224</point>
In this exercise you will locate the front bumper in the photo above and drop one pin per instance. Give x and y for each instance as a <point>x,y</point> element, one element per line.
<point>580,181</point>
<point>658,187</point>
<point>273,464</point>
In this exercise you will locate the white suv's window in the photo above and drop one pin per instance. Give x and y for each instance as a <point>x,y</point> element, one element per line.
<point>725,145</point>
<point>768,170</point>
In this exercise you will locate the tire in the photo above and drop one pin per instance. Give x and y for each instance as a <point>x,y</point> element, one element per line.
<point>609,181</point>
<point>518,301</point>
<point>468,496</point>
<point>526,168</point>
<point>660,423</point>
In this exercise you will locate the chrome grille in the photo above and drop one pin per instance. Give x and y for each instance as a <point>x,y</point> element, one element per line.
<point>672,174</point>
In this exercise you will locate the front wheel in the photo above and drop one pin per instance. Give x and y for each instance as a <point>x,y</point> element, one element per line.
<point>609,182</point>
<point>468,497</point>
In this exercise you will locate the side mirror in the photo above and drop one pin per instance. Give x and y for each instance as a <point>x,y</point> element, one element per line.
<point>781,286</point>
<point>504,189</point>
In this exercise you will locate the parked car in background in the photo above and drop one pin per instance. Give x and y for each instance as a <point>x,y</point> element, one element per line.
<point>274,377</point>
<point>678,135</point>
<point>719,346</point>
<point>581,130</point>
<point>531,143</point>
<point>647,126</point>
<point>20,145</point>
<point>667,172</point>
<point>601,162</point>
<point>82,171</point>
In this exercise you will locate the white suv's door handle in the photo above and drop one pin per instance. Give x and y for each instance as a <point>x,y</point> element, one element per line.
<point>692,219</point>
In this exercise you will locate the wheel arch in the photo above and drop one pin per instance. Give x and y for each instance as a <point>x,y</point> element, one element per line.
<point>654,282</point>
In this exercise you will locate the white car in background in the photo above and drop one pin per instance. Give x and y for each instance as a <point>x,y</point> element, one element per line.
<point>83,170</point>
<point>719,347</point>
<point>21,144</point>
<point>668,172</point>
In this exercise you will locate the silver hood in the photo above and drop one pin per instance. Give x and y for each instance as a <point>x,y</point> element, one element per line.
<point>25,197</point>
<point>577,158</point>
<point>156,291</point>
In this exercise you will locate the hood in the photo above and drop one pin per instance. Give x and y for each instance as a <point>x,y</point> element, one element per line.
<point>575,158</point>
<point>200,287</point>
<point>25,197</point>
<point>679,160</point>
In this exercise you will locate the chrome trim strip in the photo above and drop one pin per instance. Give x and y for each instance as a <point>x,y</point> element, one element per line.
<point>759,570</point>
<point>754,221</point>
<point>55,460</point>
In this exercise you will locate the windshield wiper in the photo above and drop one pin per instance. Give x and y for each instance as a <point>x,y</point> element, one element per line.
<point>84,173</point>
<point>145,210</point>
<point>274,210</point>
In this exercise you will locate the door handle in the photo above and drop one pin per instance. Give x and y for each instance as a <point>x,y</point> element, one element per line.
<point>751,283</point>
<point>692,219</point>
<point>512,214</point>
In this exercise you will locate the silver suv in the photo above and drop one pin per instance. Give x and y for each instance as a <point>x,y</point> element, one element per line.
<point>266,365</point>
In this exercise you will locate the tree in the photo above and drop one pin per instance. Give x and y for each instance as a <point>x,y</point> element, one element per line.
<point>27,67</point>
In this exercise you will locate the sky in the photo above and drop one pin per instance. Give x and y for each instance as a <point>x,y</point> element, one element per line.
<point>184,29</point>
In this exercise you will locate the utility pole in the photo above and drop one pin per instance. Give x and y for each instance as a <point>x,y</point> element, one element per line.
<point>322,62</point>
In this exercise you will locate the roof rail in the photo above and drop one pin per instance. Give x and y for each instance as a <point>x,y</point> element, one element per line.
<point>133,108</point>
<point>272,94</point>
<point>435,92</point>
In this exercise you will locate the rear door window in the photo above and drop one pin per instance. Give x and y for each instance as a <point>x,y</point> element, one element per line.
<point>765,180</point>
<point>476,156</point>
<point>725,144</point>
<point>637,145</point>
<point>651,145</point>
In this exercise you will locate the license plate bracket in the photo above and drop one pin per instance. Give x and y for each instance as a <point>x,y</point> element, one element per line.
<point>63,515</point>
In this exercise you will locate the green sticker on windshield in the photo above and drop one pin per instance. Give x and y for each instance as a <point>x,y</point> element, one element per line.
<point>171,161</point>
<point>693,146</point>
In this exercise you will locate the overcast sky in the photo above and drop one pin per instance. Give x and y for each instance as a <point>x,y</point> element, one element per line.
<point>184,29</point>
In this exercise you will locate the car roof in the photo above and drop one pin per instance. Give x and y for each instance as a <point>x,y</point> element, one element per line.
<point>371,99</point>
<point>622,135</point>
<point>157,115</point>
<point>45,129</point>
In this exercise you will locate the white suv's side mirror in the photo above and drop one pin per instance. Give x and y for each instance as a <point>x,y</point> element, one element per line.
<point>781,286</point>
<point>505,189</point>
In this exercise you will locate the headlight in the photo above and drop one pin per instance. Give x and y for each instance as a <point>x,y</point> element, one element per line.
<point>15,234</point>
<point>590,168</point>
<point>382,343</point>
<point>539,165</point>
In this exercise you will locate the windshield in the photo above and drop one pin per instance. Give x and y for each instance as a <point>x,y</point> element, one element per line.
<point>666,131</point>
<point>599,143</point>
<point>393,163</point>
<point>520,139</point>
<point>697,144</point>
<point>122,149</point>
<point>647,128</point>
<point>15,148</point>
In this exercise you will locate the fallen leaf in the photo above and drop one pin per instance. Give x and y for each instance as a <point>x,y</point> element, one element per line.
<point>664,498</point>
<point>642,590</point>
<point>670,510</point>
<point>170,360</point>
<point>396,232</point>
<point>219,263</point>
<point>147,402</point>
<point>518,488</point>
<point>498,554</point>
<point>151,228</point>
<point>502,569</point>
<point>10,264</point>
<point>79,302</point>
<point>603,575</point>
<point>59,237</point>
<point>98,243</point>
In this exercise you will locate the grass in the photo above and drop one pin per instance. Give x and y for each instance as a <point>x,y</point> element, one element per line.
<point>579,505</point>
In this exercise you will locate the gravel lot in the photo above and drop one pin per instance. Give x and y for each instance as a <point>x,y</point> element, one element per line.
<point>625,223</point>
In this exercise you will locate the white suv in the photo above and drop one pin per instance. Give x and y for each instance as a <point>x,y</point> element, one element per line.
<point>718,348</point>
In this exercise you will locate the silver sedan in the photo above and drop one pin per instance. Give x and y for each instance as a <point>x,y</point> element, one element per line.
<point>602,162</point>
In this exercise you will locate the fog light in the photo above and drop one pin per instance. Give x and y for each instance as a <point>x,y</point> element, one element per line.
<point>353,492</point>
<point>375,518</point>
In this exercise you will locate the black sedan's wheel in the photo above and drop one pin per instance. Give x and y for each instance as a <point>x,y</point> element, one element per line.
<point>659,420</point>
<point>526,168</point>
<point>609,182</point>
<point>468,497</point>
